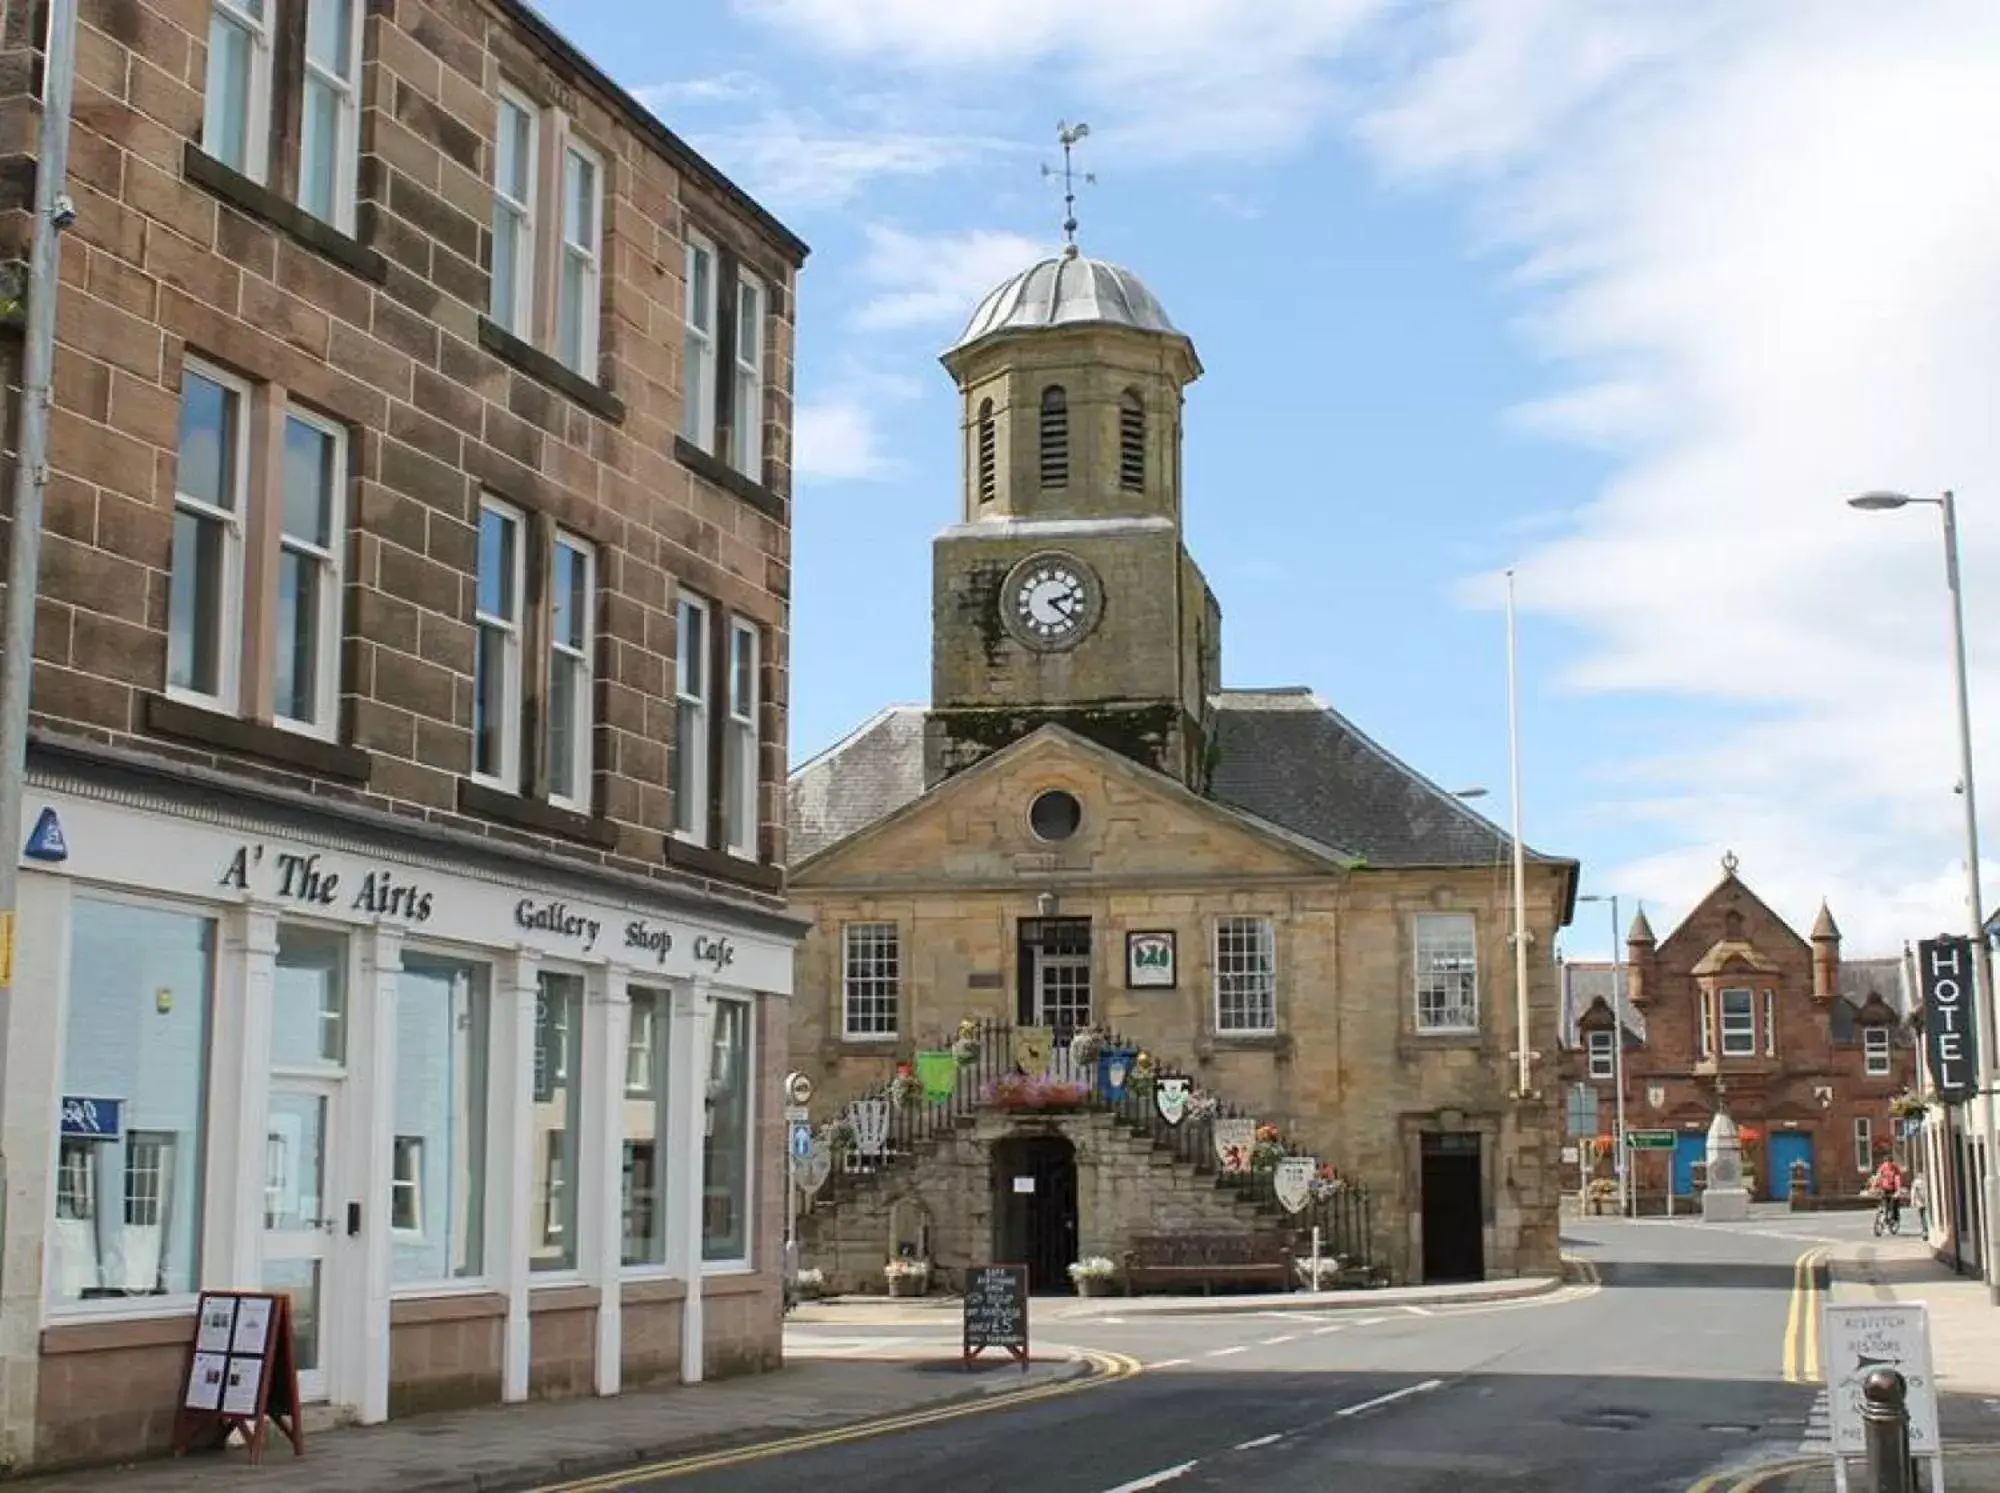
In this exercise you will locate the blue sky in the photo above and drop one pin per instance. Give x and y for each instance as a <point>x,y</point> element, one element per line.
<point>1625,295</point>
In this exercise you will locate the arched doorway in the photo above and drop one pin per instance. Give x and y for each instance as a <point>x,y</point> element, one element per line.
<point>1034,1207</point>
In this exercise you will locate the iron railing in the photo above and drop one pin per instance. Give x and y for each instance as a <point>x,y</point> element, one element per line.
<point>1344,1216</point>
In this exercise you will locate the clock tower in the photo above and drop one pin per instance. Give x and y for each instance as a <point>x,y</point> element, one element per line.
<point>1064,592</point>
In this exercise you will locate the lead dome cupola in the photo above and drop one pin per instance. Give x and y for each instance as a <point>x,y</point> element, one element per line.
<point>1067,290</point>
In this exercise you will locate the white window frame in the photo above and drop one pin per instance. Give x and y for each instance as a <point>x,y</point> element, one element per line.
<point>1266,997</point>
<point>1418,945</point>
<point>347,126</point>
<point>519,317</point>
<point>692,821</point>
<point>590,314</point>
<point>410,1184</point>
<point>641,1032</point>
<point>1877,1058</point>
<point>1864,1145</point>
<point>1746,1044</point>
<point>743,746</point>
<point>1770,1024</point>
<point>698,376</point>
<point>871,984</point>
<point>1603,1054</point>
<point>326,665</point>
<point>746,1262</point>
<point>575,795</point>
<point>508,778</point>
<point>746,390</point>
<point>229,625</point>
<point>1706,1002</point>
<point>256,163</point>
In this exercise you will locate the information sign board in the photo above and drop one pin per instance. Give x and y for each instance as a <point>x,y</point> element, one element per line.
<point>996,1311</point>
<point>1649,1140</point>
<point>242,1374</point>
<point>1860,1338</point>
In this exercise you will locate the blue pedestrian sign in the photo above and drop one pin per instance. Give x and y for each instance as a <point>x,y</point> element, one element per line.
<point>46,842</point>
<point>802,1141</point>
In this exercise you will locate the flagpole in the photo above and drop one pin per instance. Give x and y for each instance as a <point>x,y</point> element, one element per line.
<point>1525,1082</point>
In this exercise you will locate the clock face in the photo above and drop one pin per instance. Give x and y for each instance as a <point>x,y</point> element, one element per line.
<point>1050,601</point>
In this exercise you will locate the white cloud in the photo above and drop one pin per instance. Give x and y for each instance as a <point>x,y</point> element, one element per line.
<point>925,280</point>
<point>839,440</point>
<point>1767,221</point>
<point>715,88</point>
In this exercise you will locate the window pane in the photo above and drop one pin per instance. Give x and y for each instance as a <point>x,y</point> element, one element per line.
<point>743,674</point>
<point>872,979</point>
<point>225,132</point>
<point>489,701</point>
<point>580,202</point>
<point>496,564</point>
<point>689,744</point>
<point>309,483</point>
<point>206,470</point>
<point>506,265</point>
<point>563,744</point>
<point>129,1220</point>
<point>570,312</point>
<point>319,153</point>
<point>746,436</point>
<point>740,789</point>
<point>701,288</point>
<point>557,1120</point>
<point>693,649</point>
<point>572,596</point>
<point>300,580</point>
<point>725,1187</point>
<point>309,990</point>
<point>194,606</point>
<point>749,325</point>
<point>645,1111</point>
<point>330,35</point>
<point>443,1019</point>
<point>514,151</point>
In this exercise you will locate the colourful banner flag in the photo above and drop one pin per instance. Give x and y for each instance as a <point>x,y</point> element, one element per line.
<point>938,1072</point>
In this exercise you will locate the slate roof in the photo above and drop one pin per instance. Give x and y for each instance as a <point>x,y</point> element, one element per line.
<point>1585,982</point>
<point>1284,756</point>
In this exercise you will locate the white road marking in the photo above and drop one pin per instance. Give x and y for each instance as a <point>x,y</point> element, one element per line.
<point>1418,1311</point>
<point>1323,1331</point>
<point>1393,1395</point>
<point>1168,1363</point>
<point>1370,1321</point>
<point>1139,1485</point>
<point>1285,1337</point>
<point>1225,1352</point>
<point>1251,1446</point>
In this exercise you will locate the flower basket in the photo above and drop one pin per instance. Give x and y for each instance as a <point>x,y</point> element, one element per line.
<point>1093,1276</point>
<point>1908,1105</point>
<point>965,1046</point>
<point>1086,1047</point>
<point>1036,1094</point>
<point>905,1089</point>
<point>1330,1267</point>
<point>810,1284</point>
<point>907,1277</point>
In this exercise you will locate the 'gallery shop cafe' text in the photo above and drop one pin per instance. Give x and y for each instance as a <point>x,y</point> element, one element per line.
<point>556,918</point>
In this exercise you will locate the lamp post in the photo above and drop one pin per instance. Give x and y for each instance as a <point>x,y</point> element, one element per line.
<point>1618,1062</point>
<point>1982,964</point>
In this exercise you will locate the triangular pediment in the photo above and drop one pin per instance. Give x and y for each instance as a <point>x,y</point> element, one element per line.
<point>1731,923</point>
<point>975,828</point>
<point>1734,954</point>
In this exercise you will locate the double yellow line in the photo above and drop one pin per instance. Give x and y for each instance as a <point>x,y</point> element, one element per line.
<point>1802,1364</point>
<point>1105,1369</point>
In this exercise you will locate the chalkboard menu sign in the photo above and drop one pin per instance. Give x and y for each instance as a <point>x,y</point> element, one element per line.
<point>996,1311</point>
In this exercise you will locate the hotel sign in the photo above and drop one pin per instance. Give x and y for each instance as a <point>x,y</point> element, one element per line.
<point>1944,971</point>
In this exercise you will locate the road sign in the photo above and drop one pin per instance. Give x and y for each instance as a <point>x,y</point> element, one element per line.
<point>46,843</point>
<point>796,1113</point>
<point>802,1140</point>
<point>1649,1140</point>
<point>1861,1338</point>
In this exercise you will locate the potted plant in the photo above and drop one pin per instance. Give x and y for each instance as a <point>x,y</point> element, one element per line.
<point>1085,1048</point>
<point>1329,1268</point>
<point>810,1284</point>
<point>1602,1191</point>
<point>907,1277</point>
<point>1093,1275</point>
<point>1269,1149</point>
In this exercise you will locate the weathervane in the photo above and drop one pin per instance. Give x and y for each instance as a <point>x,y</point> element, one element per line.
<point>1069,135</point>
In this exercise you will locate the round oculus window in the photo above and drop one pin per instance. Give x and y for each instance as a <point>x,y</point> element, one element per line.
<point>1055,815</point>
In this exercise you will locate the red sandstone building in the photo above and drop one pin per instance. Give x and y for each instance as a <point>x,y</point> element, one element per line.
<point>410,693</point>
<point>1806,1049</point>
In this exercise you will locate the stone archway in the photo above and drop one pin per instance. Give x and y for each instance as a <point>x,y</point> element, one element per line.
<point>1035,1207</point>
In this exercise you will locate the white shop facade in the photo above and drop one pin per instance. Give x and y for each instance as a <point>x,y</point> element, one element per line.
<point>500,1126</point>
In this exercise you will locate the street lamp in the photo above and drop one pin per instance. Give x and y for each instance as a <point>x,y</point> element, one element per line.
<point>1617,1060</point>
<point>1982,965</point>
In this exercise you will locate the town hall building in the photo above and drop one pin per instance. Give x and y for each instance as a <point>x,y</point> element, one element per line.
<point>1086,841</point>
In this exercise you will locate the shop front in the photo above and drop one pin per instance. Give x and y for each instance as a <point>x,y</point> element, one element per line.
<point>501,1128</point>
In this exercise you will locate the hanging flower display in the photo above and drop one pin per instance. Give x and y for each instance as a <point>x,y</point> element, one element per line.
<point>1086,1047</point>
<point>905,1089</point>
<point>1327,1183</point>
<point>1202,1105</point>
<point>965,1046</point>
<point>1269,1149</point>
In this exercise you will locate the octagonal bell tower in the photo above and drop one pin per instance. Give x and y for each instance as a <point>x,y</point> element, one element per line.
<point>1064,592</point>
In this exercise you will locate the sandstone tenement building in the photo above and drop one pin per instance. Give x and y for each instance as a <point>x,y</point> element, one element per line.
<point>1085,828</point>
<point>409,722</point>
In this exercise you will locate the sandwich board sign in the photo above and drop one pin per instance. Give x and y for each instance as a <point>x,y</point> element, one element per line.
<point>1862,1337</point>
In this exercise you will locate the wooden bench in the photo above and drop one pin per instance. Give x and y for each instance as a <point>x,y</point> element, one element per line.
<point>1168,1260</point>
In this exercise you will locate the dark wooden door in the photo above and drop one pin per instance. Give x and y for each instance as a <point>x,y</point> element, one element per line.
<point>1034,1208</point>
<point>1454,1207</point>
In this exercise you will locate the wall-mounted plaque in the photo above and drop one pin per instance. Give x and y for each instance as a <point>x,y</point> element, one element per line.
<point>1149,960</point>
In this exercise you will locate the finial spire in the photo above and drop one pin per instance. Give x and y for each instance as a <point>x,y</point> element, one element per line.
<point>1069,134</point>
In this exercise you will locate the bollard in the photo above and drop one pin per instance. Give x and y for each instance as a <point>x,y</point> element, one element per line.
<point>1885,1421</point>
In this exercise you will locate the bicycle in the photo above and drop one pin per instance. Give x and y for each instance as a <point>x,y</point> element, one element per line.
<point>1888,1217</point>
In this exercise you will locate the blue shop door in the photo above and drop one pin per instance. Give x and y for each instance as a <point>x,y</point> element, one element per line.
<point>1690,1148</point>
<point>1786,1147</point>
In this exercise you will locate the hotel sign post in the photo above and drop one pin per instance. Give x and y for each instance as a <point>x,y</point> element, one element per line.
<point>1951,1034</point>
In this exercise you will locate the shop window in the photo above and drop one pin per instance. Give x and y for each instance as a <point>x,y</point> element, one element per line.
<point>1875,1050</point>
<point>1603,1055</point>
<point>1739,1025</point>
<point>558,1117</point>
<point>141,981</point>
<point>725,1191</point>
<point>1246,975</point>
<point>437,1184</point>
<point>1447,973</point>
<point>645,1130</point>
<point>309,999</point>
<point>871,980</point>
